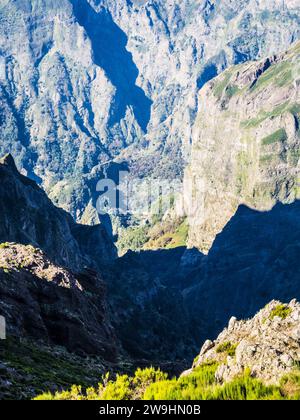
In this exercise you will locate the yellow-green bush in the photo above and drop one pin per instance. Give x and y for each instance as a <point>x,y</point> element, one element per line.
<point>191,387</point>
<point>282,311</point>
<point>151,384</point>
<point>122,388</point>
<point>227,348</point>
<point>201,385</point>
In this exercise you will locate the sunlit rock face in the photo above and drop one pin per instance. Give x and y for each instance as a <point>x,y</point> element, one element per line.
<point>246,144</point>
<point>86,82</point>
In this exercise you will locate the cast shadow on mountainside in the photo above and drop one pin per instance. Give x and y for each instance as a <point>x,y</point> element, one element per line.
<point>110,53</point>
<point>254,260</point>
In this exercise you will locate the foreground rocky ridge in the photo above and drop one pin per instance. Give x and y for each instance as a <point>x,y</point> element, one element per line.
<point>268,345</point>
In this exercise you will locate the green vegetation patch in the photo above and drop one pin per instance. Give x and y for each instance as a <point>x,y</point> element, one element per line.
<point>227,348</point>
<point>231,91</point>
<point>133,238</point>
<point>267,158</point>
<point>122,388</point>
<point>290,385</point>
<point>201,384</point>
<point>32,368</point>
<point>191,387</point>
<point>282,311</point>
<point>278,136</point>
<point>180,236</point>
<point>220,86</point>
<point>278,74</point>
<point>276,112</point>
<point>196,359</point>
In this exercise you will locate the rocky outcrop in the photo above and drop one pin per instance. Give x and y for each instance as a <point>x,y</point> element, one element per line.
<point>246,143</point>
<point>86,82</point>
<point>267,345</point>
<point>29,217</point>
<point>46,302</point>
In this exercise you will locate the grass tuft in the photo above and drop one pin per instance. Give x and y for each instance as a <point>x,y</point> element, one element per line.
<point>282,311</point>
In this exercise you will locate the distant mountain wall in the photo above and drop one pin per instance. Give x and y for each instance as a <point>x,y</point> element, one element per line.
<point>246,143</point>
<point>85,82</point>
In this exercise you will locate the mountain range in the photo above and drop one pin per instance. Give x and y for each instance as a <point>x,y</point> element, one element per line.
<point>79,91</point>
<point>202,92</point>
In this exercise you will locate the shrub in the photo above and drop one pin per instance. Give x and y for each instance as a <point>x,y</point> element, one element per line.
<point>227,348</point>
<point>282,311</point>
<point>122,388</point>
<point>191,387</point>
<point>246,388</point>
<point>290,385</point>
<point>201,385</point>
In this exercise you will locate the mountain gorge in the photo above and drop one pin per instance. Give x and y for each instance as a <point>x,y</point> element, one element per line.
<point>62,284</point>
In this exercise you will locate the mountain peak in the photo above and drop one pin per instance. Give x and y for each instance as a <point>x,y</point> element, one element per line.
<point>9,161</point>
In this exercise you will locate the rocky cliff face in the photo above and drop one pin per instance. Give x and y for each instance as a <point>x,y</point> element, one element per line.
<point>29,217</point>
<point>267,345</point>
<point>46,302</point>
<point>246,142</point>
<point>79,87</point>
<point>42,247</point>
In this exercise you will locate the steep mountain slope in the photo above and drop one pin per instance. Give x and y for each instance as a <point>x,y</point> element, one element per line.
<point>29,217</point>
<point>78,86</point>
<point>46,302</point>
<point>246,143</point>
<point>55,275</point>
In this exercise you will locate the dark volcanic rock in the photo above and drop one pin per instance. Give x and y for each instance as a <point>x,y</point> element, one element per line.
<point>47,302</point>
<point>29,217</point>
<point>149,315</point>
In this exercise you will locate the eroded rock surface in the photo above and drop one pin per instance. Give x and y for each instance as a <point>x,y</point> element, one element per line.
<point>246,143</point>
<point>268,345</point>
<point>46,302</point>
<point>84,82</point>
